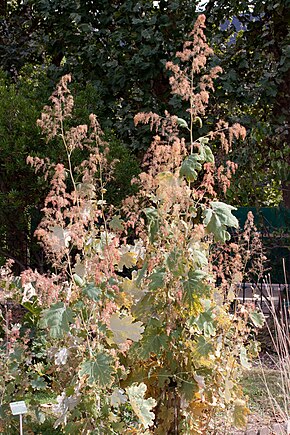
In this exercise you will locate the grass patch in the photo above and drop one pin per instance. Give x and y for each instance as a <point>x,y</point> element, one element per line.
<point>262,398</point>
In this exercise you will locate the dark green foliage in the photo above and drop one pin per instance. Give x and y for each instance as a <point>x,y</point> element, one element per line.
<point>252,45</point>
<point>120,47</point>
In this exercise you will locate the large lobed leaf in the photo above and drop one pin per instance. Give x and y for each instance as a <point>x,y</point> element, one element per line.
<point>218,218</point>
<point>57,319</point>
<point>191,166</point>
<point>141,406</point>
<point>99,370</point>
<point>123,329</point>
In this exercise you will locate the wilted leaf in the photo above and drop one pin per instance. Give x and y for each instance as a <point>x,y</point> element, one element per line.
<point>128,259</point>
<point>228,388</point>
<point>240,413</point>
<point>142,407</point>
<point>123,329</point>
<point>57,319</point>
<point>99,370</point>
<point>80,269</point>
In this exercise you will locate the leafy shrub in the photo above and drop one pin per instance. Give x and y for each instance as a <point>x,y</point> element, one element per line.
<point>130,334</point>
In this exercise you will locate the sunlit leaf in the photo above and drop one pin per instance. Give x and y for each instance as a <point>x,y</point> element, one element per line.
<point>203,347</point>
<point>99,370</point>
<point>123,329</point>
<point>182,123</point>
<point>141,406</point>
<point>132,287</point>
<point>118,397</point>
<point>191,166</point>
<point>205,323</point>
<point>244,358</point>
<point>128,259</point>
<point>206,153</point>
<point>257,318</point>
<point>195,286</point>
<point>218,218</point>
<point>78,280</point>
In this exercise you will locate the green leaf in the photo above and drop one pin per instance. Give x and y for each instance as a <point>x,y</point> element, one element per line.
<point>78,280</point>
<point>224,212</point>
<point>153,222</point>
<point>257,318</point>
<point>57,319</point>
<point>123,329</point>
<point>218,218</point>
<point>116,224</point>
<point>99,370</point>
<point>205,322</point>
<point>182,123</point>
<point>154,342</point>
<point>188,389</point>
<point>141,406</point>
<point>191,166</point>
<point>199,120</point>
<point>202,346</point>
<point>156,279</point>
<point>194,286</point>
<point>38,383</point>
<point>92,292</point>
<point>206,154</point>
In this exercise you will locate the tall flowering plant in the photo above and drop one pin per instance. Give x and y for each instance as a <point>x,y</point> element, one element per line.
<point>137,338</point>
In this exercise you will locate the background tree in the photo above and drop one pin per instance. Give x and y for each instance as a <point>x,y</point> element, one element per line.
<point>117,53</point>
<point>252,43</point>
